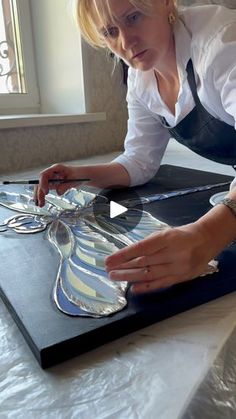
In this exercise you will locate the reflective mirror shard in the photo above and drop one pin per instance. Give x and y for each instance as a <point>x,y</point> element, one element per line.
<point>90,291</point>
<point>21,203</point>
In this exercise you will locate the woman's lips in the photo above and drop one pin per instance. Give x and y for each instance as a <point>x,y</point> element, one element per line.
<point>140,55</point>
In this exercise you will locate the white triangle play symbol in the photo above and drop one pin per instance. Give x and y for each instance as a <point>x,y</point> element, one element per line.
<point>116,209</point>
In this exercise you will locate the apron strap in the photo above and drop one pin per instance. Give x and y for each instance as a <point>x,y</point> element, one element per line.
<point>192,83</point>
<point>193,88</point>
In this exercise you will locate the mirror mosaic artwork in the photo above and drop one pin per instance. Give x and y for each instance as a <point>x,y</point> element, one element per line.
<point>82,286</point>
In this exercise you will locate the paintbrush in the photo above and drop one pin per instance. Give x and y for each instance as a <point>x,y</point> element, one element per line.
<point>36,181</point>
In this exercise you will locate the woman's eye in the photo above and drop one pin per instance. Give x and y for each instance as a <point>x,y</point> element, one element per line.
<point>134,17</point>
<point>110,32</point>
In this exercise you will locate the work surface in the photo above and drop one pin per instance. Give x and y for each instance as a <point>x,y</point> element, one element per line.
<point>149,364</point>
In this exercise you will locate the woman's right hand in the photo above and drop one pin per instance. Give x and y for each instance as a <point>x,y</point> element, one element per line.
<point>104,175</point>
<point>57,171</point>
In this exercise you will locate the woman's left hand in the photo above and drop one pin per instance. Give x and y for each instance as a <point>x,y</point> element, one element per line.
<point>162,259</point>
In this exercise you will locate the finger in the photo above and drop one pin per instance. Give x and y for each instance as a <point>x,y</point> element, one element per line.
<point>47,175</point>
<point>158,258</point>
<point>162,283</point>
<point>144,247</point>
<point>54,172</point>
<point>156,285</point>
<point>140,262</point>
<point>35,196</point>
<point>40,200</point>
<point>145,274</point>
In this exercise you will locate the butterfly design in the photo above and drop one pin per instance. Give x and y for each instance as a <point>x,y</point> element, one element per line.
<point>82,286</point>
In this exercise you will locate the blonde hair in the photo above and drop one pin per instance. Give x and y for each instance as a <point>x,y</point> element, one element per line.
<point>87,11</point>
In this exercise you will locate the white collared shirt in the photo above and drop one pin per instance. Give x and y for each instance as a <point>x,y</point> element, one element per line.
<point>207,35</point>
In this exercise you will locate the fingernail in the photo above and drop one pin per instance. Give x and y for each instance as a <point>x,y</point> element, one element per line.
<point>112,274</point>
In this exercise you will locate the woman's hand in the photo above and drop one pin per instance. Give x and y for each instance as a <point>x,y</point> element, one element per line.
<point>162,259</point>
<point>105,175</point>
<point>57,171</point>
<point>175,254</point>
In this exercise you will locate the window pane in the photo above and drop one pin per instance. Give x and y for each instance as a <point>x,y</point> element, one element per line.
<point>11,61</point>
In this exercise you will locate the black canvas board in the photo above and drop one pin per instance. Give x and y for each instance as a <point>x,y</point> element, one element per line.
<point>29,264</point>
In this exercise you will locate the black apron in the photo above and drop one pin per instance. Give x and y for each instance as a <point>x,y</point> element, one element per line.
<point>204,134</point>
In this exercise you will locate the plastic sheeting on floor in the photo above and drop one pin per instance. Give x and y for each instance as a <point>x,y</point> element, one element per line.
<point>165,371</point>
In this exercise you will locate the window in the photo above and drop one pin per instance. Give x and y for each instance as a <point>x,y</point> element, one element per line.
<point>11,61</point>
<point>32,43</point>
<point>18,86</point>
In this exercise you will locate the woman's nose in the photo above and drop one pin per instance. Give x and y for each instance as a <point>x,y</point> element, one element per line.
<point>127,39</point>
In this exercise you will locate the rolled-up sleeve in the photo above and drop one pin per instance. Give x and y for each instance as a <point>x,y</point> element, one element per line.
<point>145,142</point>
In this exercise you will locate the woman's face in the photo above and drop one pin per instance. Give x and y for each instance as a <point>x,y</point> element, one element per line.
<point>143,42</point>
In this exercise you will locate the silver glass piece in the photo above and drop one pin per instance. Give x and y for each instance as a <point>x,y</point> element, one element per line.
<point>21,202</point>
<point>179,192</point>
<point>24,224</point>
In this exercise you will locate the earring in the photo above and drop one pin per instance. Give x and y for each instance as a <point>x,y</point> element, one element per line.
<point>171,18</point>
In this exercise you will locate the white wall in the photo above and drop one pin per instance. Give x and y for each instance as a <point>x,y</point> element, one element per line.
<point>58,55</point>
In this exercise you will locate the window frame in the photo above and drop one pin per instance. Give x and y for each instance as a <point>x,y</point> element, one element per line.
<point>24,103</point>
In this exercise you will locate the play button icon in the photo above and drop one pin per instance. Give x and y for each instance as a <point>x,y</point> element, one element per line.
<point>116,209</point>
<point>114,214</point>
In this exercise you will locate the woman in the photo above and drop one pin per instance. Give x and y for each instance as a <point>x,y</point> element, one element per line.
<point>182,84</point>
